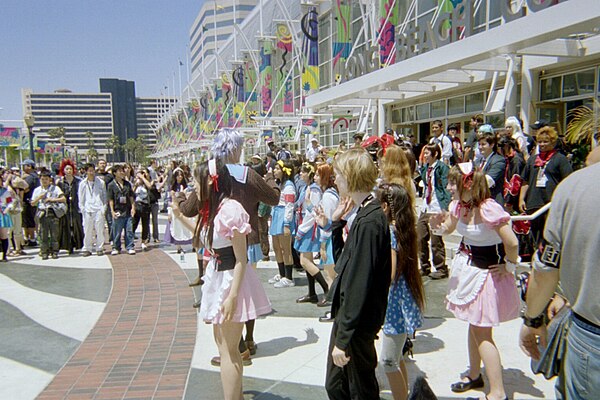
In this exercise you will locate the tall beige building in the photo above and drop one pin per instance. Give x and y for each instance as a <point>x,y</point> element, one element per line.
<point>213,26</point>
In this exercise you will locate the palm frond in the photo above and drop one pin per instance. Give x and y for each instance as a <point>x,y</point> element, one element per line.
<point>584,126</point>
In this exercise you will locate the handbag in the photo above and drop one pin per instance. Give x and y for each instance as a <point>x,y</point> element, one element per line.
<point>553,355</point>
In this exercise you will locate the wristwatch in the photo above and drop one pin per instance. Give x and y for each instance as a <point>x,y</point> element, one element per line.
<point>535,322</point>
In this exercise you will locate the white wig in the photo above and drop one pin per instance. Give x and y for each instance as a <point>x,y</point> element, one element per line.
<point>516,125</point>
<point>226,143</point>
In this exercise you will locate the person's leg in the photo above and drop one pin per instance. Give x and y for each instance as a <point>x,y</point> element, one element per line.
<point>109,224</point>
<point>154,214</point>
<point>474,357</point>
<point>17,230</point>
<point>135,221</point>
<point>491,360</point>
<point>118,225</point>
<point>438,248</point>
<point>4,234</point>
<point>88,231</point>
<point>145,226</point>
<point>336,380</point>
<point>288,260</point>
<point>227,336</point>
<point>390,361</point>
<point>277,248</point>
<point>98,222</point>
<point>129,243</point>
<point>54,234</point>
<point>361,367</point>
<point>263,231</point>
<point>45,237</point>
<point>423,236</point>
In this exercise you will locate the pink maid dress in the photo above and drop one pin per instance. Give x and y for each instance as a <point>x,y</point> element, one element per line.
<point>475,294</point>
<point>252,301</point>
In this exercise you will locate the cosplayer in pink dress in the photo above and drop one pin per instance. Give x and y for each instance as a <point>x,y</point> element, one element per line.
<point>475,294</point>
<point>252,300</point>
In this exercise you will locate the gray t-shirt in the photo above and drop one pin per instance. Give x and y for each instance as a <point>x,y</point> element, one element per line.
<point>573,227</point>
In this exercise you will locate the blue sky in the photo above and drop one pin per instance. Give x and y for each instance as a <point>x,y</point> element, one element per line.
<point>54,44</point>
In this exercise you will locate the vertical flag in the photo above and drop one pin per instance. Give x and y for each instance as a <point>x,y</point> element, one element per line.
<point>284,46</point>
<point>239,93</point>
<point>342,43</point>
<point>388,19</point>
<point>266,75</point>
<point>310,48</point>
<point>250,77</point>
<point>228,100</point>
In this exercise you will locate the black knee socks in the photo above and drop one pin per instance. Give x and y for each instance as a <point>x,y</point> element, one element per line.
<point>250,330</point>
<point>319,278</point>
<point>281,267</point>
<point>289,269</point>
<point>4,248</point>
<point>311,285</point>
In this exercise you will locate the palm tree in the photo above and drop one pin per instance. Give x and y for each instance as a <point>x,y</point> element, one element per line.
<point>129,147</point>
<point>113,145</point>
<point>140,150</point>
<point>584,127</point>
<point>92,153</point>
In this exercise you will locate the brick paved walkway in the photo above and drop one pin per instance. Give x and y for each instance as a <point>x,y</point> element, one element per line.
<point>142,345</point>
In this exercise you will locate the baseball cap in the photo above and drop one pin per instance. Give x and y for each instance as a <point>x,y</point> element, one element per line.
<point>539,124</point>
<point>29,162</point>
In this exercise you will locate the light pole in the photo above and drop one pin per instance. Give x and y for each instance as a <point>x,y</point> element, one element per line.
<point>75,149</point>
<point>62,142</point>
<point>30,121</point>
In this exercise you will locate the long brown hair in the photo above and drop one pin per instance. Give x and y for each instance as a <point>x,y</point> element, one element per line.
<point>396,169</point>
<point>475,184</point>
<point>401,214</point>
<point>209,197</point>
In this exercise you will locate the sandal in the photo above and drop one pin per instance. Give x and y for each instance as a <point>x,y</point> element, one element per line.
<point>462,386</point>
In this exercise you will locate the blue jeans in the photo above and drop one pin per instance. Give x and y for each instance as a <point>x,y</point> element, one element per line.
<point>582,364</point>
<point>118,225</point>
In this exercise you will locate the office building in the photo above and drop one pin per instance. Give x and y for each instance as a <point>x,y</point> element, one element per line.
<point>214,25</point>
<point>148,113</point>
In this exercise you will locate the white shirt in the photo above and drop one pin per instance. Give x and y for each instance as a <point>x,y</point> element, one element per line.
<point>52,192</point>
<point>312,153</point>
<point>445,143</point>
<point>92,196</point>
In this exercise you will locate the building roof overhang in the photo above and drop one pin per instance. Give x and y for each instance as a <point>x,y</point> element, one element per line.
<point>473,59</point>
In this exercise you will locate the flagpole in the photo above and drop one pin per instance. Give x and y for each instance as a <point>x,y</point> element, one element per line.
<point>234,31</point>
<point>215,36</point>
<point>180,91</point>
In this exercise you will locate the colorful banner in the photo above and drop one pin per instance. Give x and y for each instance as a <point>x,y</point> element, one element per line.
<point>284,46</point>
<point>310,49</point>
<point>342,41</point>
<point>219,104</point>
<point>240,95</point>
<point>388,19</point>
<point>250,78</point>
<point>228,101</point>
<point>10,137</point>
<point>310,126</point>
<point>266,76</point>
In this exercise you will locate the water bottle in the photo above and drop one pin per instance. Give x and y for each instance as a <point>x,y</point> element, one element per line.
<point>182,257</point>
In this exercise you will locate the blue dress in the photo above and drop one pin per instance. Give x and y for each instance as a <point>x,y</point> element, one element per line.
<point>5,200</point>
<point>283,213</point>
<point>307,234</point>
<point>403,314</point>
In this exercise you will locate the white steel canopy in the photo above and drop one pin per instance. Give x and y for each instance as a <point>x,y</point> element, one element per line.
<point>475,58</point>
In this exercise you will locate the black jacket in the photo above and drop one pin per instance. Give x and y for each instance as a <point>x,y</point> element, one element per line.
<point>360,289</point>
<point>496,169</point>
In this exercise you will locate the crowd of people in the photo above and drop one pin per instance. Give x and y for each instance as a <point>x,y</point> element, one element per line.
<point>346,219</point>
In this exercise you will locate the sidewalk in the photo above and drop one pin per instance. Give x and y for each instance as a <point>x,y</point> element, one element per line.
<point>138,315</point>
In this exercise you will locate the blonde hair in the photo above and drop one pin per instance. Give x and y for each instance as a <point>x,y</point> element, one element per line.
<point>548,131</point>
<point>358,168</point>
<point>396,169</point>
<point>479,187</point>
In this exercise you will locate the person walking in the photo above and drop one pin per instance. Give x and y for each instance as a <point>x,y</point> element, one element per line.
<point>143,187</point>
<point>436,199</point>
<point>360,289</point>
<point>92,203</point>
<point>33,181</point>
<point>7,198</point>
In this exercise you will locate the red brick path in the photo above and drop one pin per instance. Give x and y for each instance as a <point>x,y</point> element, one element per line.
<point>142,345</point>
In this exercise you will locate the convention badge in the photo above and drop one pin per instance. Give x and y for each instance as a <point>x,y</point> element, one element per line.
<point>541,178</point>
<point>122,200</point>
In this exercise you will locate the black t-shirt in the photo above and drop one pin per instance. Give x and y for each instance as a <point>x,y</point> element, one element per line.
<point>33,181</point>
<point>106,177</point>
<point>121,196</point>
<point>541,187</point>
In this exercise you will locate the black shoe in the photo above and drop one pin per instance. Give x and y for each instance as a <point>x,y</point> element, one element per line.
<point>461,386</point>
<point>324,303</point>
<point>439,274</point>
<point>32,243</point>
<point>197,304</point>
<point>326,317</point>
<point>425,272</point>
<point>308,299</point>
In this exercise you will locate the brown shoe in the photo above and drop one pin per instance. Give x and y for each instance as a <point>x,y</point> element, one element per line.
<point>197,282</point>
<point>439,274</point>
<point>251,346</point>
<point>246,360</point>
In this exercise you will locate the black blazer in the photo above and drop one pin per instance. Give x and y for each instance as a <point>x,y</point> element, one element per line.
<point>360,289</point>
<point>496,168</point>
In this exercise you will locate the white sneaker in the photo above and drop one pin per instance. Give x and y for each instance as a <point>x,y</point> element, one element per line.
<point>283,283</point>
<point>114,252</point>
<point>144,247</point>
<point>274,279</point>
<point>131,252</point>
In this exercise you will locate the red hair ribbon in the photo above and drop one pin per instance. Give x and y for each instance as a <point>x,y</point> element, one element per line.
<point>212,171</point>
<point>467,170</point>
